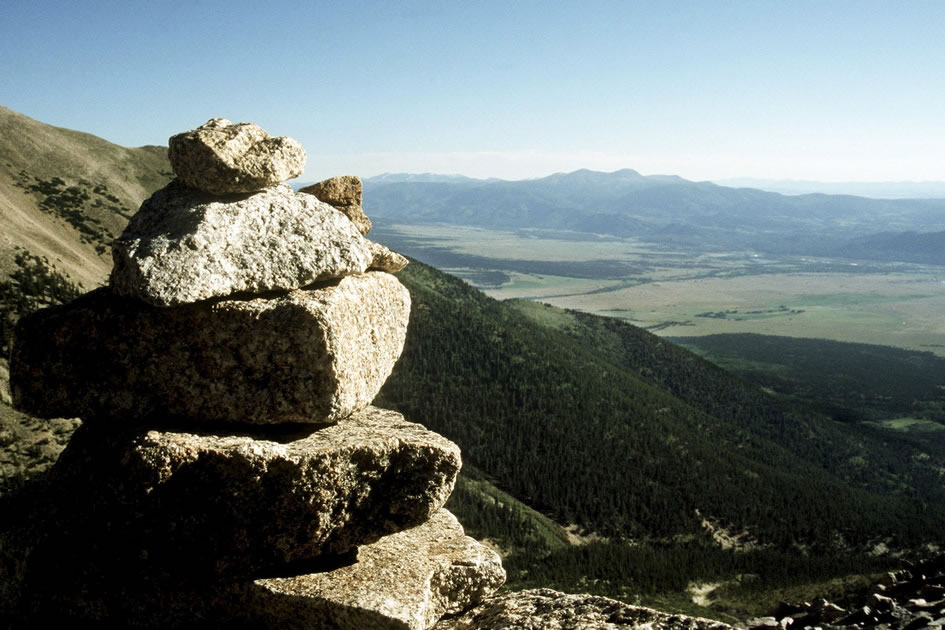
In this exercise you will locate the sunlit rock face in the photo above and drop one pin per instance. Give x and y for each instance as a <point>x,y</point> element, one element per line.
<point>406,580</point>
<point>543,609</point>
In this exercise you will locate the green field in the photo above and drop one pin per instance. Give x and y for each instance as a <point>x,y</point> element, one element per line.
<point>910,424</point>
<point>675,292</point>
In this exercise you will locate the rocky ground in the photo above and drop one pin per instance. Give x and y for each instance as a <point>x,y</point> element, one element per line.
<point>908,599</point>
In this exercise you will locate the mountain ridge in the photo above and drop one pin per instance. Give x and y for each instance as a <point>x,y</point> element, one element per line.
<point>875,190</point>
<point>660,209</point>
<point>64,194</point>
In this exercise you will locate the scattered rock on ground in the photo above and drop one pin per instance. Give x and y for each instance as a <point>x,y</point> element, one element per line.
<point>911,598</point>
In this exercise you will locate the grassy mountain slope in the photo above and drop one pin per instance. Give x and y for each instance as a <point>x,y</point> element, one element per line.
<point>64,195</point>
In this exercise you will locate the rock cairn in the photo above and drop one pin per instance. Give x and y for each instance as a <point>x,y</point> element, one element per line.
<point>908,599</point>
<point>230,467</point>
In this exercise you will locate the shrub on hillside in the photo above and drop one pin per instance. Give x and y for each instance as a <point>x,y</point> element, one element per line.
<point>34,285</point>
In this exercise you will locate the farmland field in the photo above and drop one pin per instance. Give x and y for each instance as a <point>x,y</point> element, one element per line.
<point>674,292</point>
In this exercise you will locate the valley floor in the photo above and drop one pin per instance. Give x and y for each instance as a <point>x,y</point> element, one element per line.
<point>677,292</point>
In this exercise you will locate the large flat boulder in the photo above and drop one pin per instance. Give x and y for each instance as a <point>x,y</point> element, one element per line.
<point>144,511</point>
<point>405,581</point>
<point>220,157</point>
<point>312,356</point>
<point>184,246</point>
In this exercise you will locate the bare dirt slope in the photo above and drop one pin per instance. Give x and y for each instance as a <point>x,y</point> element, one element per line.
<point>65,194</point>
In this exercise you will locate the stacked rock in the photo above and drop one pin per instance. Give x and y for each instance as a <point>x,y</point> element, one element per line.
<point>230,466</point>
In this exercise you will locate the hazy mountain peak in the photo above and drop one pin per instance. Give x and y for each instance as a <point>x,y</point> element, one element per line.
<point>587,175</point>
<point>395,178</point>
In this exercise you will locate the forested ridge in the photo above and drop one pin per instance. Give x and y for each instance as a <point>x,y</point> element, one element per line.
<point>631,441</point>
<point>875,461</point>
<point>849,381</point>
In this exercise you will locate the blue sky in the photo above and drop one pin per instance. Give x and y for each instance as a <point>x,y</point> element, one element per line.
<point>828,90</point>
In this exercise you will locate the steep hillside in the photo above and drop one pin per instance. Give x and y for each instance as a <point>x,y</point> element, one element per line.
<point>601,424</point>
<point>64,195</point>
<point>851,382</point>
<point>877,462</point>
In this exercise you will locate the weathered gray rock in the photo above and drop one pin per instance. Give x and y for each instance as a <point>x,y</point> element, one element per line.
<point>407,580</point>
<point>912,597</point>
<point>343,193</point>
<point>184,246</point>
<point>238,502</point>
<point>545,609</point>
<point>156,514</point>
<point>220,157</point>
<point>312,356</point>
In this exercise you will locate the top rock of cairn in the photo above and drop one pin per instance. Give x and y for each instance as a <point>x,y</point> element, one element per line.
<point>223,158</point>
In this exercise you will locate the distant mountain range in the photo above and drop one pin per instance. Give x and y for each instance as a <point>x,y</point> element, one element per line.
<point>876,190</point>
<point>664,209</point>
